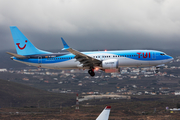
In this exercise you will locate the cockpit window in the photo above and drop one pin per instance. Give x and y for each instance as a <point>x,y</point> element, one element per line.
<point>162,54</point>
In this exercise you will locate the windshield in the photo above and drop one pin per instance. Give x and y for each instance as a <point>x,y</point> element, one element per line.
<point>162,54</point>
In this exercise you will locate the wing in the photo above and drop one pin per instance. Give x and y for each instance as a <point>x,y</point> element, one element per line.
<point>104,114</point>
<point>85,60</point>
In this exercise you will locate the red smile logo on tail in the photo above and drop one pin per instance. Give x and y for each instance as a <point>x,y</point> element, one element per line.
<point>21,48</point>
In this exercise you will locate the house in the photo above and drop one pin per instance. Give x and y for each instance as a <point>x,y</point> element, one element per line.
<point>177,92</point>
<point>25,79</point>
<point>3,70</point>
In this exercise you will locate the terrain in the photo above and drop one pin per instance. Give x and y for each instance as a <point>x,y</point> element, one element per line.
<point>18,95</point>
<point>39,104</point>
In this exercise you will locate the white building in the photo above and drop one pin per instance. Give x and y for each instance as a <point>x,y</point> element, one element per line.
<point>3,70</point>
<point>177,93</point>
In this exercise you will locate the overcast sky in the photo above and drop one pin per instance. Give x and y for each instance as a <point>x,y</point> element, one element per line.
<point>93,24</point>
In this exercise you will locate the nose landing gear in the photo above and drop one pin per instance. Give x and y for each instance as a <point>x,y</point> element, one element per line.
<point>91,72</point>
<point>157,70</point>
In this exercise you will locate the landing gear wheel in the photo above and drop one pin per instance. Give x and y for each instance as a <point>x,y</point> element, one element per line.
<point>91,72</point>
<point>156,71</point>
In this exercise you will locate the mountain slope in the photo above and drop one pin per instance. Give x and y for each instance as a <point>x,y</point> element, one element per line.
<point>18,95</point>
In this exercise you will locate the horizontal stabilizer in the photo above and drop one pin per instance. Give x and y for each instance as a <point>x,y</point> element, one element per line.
<point>16,55</point>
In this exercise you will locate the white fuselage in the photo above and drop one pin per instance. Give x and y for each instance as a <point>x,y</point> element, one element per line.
<point>128,58</point>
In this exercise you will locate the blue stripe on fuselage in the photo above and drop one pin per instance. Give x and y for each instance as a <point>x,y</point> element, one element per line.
<point>49,59</point>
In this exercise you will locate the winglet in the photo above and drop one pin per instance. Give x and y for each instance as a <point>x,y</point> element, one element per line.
<point>108,107</point>
<point>65,44</point>
<point>104,114</point>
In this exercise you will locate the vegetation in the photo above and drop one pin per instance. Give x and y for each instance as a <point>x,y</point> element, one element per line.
<point>18,95</point>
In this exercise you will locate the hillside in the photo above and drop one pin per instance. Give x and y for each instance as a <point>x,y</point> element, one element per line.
<point>18,95</point>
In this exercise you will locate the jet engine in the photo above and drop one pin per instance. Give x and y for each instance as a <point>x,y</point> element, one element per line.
<point>110,64</point>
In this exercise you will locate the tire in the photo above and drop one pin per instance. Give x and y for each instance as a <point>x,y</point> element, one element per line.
<point>91,72</point>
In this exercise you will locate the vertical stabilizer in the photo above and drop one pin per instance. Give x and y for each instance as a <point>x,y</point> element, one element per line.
<point>22,44</point>
<point>104,114</point>
<point>65,44</point>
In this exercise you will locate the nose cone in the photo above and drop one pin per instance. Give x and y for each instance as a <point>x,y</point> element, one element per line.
<point>170,58</point>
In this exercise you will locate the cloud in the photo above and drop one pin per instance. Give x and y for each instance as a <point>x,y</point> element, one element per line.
<point>125,23</point>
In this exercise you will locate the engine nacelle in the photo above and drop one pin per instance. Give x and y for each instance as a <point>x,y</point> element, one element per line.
<point>110,64</point>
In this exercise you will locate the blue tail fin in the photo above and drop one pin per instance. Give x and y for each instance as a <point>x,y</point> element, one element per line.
<point>65,44</point>
<point>22,44</point>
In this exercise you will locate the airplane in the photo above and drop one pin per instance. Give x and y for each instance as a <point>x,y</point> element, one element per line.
<point>104,114</point>
<point>108,61</point>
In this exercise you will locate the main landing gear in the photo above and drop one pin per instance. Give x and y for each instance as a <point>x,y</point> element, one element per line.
<point>91,72</point>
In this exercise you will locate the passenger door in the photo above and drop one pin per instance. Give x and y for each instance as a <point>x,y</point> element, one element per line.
<point>40,60</point>
<point>153,55</point>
